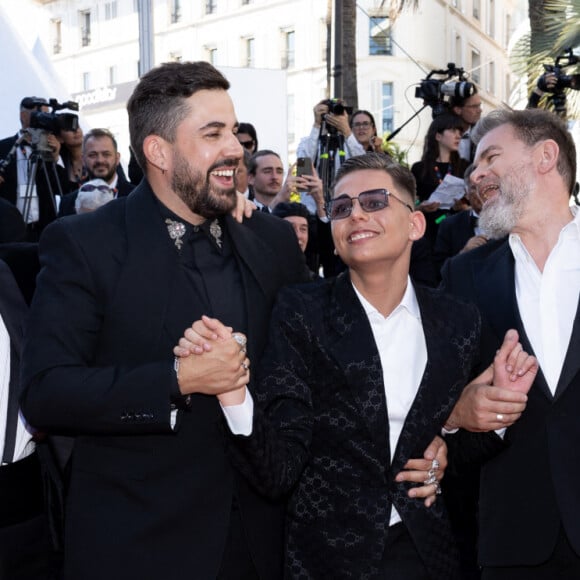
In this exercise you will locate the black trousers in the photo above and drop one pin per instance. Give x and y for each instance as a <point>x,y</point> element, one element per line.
<point>563,564</point>
<point>401,561</point>
<point>25,548</point>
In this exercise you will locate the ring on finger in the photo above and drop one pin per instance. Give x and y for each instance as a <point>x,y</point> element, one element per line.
<point>435,465</point>
<point>240,339</point>
<point>244,366</point>
<point>431,479</point>
<point>437,488</point>
<point>499,417</point>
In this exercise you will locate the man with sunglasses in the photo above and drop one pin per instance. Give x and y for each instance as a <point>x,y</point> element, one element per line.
<point>102,161</point>
<point>360,373</point>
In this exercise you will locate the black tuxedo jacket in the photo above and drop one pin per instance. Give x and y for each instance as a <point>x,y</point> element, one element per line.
<point>452,235</point>
<point>321,429</point>
<point>45,188</point>
<point>144,500</point>
<point>67,202</point>
<point>531,487</point>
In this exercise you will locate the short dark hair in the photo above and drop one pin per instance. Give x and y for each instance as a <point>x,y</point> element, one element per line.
<point>31,103</point>
<point>290,208</point>
<point>157,105</point>
<point>254,159</point>
<point>532,126</point>
<point>250,130</point>
<point>97,134</point>
<point>401,176</point>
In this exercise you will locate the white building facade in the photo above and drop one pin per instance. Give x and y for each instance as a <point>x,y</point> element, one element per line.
<point>94,45</point>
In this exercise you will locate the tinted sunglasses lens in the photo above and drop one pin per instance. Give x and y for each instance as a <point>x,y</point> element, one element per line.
<point>373,200</point>
<point>340,208</point>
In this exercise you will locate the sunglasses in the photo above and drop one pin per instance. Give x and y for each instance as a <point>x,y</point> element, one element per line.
<point>247,144</point>
<point>362,125</point>
<point>90,187</point>
<point>372,200</point>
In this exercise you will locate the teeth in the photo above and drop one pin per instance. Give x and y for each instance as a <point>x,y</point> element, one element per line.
<point>224,173</point>
<point>361,236</point>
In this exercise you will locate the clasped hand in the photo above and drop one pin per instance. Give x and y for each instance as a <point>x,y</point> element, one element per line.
<point>221,366</point>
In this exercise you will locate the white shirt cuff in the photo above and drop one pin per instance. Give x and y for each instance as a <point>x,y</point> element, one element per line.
<point>240,417</point>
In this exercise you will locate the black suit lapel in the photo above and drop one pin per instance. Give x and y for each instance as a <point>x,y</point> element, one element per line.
<point>433,402</point>
<point>356,352</point>
<point>496,290</point>
<point>147,279</point>
<point>571,365</point>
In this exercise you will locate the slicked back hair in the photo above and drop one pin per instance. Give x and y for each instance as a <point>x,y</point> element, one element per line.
<point>158,103</point>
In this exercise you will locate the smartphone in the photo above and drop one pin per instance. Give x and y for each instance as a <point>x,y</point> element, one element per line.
<point>303,167</point>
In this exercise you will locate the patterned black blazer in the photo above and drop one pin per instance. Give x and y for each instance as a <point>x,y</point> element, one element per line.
<point>321,429</point>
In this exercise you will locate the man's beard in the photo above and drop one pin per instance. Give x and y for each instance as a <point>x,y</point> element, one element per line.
<point>500,215</point>
<point>198,193</point>
<point>108,177</point>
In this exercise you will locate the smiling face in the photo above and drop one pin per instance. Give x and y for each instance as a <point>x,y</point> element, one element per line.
<point>100,158</point>
<point>504,177</point>
<point>205,154</point>
<point>384,236</point>
<point>363,128</point>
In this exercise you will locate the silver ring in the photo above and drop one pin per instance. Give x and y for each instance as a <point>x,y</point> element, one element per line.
<point>431,479</point>
<point>499,417</point>
<point>244,366</point>
<point>435,465</point>
<point>240,339</point>
<point>437,488</point>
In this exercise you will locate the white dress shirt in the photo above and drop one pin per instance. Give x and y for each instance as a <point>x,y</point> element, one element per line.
<point>24,444</point>
<point>548,300</point>
<point>403,352</point>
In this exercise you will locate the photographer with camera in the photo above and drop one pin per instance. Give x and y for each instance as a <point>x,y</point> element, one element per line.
<point>29,175</point>
<point>331,118</point>
<point>553,82</point>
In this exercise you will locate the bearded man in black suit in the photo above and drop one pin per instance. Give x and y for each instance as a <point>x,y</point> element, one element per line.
<point>529,502</point>
<point>152,490</point>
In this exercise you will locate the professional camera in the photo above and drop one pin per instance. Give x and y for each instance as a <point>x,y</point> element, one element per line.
<point>42,123</point>
<point>434,91</point>
<point>337,107</point>
<point>563,81</point>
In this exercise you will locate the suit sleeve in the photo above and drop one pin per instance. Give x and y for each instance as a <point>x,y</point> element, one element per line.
<point>274,455</point>
<point>66,388</point>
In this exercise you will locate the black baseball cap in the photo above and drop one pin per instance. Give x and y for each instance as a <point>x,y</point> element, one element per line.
<point>32,102</point>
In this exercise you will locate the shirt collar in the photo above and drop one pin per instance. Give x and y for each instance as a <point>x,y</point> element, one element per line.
<point>408,302</point>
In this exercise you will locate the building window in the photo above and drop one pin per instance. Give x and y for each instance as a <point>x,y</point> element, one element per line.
<point>85,21</point>
<point>491,78</point>
<point>112,75</point>
<point>380,36</point>
<point>490,24</point>
<point>212,55</point>
<point>210,6</point>
<point>458,57</point>
<point>110,10</point>
<point>289,53</point>
<point>508,30</point>
<point>291,118</point>
<point>175,11</point>
<point>56,26</point>
<point>86,81</point>
<point>475,67</point>
<point>387,108</point>
<point>476,9</point>
<point>250,55</point>
<point>246,2</point>
<point>456,4</point>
